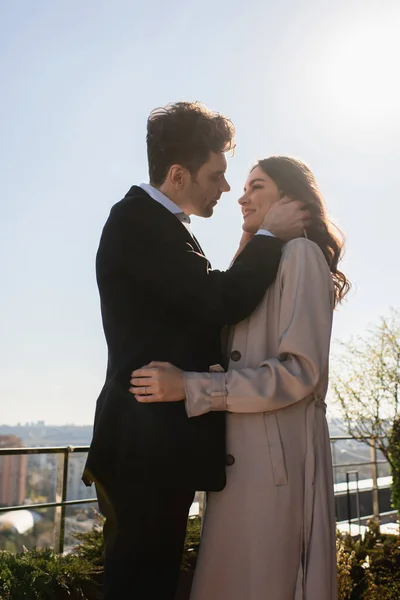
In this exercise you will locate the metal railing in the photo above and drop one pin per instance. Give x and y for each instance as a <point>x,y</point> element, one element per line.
<point>351,471</point>
<point>61,503</point>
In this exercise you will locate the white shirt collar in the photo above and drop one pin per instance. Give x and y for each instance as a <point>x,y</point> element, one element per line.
<point>161,198</point>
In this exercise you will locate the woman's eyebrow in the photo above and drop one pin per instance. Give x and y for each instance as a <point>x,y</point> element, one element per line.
<point>252,182</point>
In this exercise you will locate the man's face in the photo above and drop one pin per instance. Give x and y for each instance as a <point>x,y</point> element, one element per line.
<point>206,187</point>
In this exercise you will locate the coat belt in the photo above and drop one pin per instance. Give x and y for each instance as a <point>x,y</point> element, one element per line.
<point>309,481</point>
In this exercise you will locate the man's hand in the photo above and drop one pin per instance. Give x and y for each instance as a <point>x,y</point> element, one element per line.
<point>158,382</point>
<point>286,219</point>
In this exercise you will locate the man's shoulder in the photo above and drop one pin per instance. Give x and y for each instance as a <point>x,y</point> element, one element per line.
<point>137,213</point>
<point>135,206</point>
<point>136,198</point>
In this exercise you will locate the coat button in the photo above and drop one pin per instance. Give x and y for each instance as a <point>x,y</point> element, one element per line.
<point>235,355</point>
<point>229,460</point>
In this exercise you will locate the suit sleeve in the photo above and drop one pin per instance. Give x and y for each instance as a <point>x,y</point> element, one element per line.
<point>165,264</point>
<point>305,323</point>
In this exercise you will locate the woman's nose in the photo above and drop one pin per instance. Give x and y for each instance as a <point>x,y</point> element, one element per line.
<point>243,200</point>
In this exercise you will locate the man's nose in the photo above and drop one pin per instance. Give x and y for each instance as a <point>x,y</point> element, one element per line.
<point>225,186</point>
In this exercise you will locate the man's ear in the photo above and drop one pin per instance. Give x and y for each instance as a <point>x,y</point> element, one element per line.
<point>177,175</point>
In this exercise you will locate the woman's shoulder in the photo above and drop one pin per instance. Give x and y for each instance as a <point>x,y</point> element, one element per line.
<point>303,248</point>
<point>302,252</point>
<point>304,264</point>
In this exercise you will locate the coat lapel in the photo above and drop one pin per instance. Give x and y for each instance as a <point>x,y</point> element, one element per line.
<point>200,249</point>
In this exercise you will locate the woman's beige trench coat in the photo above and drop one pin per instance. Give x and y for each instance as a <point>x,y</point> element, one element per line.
<point>270,534</point>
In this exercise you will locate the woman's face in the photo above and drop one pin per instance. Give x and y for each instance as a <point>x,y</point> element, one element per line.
<point>260,193</point>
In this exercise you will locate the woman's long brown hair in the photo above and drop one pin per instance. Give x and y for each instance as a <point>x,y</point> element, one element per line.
<point>294,179</point>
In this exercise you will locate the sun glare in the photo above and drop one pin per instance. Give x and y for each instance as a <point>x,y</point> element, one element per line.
<point>359,72</point>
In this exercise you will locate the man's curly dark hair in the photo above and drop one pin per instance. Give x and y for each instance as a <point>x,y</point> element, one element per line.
<point>185,133</point>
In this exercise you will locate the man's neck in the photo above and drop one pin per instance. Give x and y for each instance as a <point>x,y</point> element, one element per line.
<point>179,201</point>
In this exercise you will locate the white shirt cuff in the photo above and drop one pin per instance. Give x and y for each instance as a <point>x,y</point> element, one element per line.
<point>265,232</point>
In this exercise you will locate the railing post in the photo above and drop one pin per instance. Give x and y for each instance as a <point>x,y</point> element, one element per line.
<point>334,463</point>
<point>348,501</point>
<point>349,519</point>
<point>358,502</point>
<point>202,504</point>
<point>374,470</point>
<point>61,496</point>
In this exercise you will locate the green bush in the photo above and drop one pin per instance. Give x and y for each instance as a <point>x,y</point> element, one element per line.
<point>394,455</point>
<point>192,543</point>
<point>45,575</point>
<point>91,543</point>
<point>369,569</point>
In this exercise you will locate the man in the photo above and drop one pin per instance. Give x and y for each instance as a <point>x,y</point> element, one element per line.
<point>161,301</point>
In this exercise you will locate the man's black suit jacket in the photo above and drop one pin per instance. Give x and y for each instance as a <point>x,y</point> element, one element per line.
<point>161,301</point>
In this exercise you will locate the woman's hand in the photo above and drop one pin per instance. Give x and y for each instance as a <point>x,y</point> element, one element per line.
<point>244,240</point>
<point>158,382</point>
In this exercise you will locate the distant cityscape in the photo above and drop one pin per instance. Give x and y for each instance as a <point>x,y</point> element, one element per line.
<point>40,433</point>
<point>32,479</point>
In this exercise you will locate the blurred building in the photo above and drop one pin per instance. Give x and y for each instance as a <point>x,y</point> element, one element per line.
<point>13,470</point>
<point>76,489</point>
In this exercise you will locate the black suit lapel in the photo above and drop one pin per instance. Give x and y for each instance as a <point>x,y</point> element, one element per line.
<point>198,245</point>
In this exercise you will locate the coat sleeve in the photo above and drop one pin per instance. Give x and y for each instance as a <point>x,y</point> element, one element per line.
<point>165,265</point>
<point>305,322</point>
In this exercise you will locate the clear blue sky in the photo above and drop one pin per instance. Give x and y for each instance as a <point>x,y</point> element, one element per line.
<point>78,79</point>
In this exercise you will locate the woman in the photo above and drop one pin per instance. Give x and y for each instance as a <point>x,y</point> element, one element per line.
<point>270,534</point>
